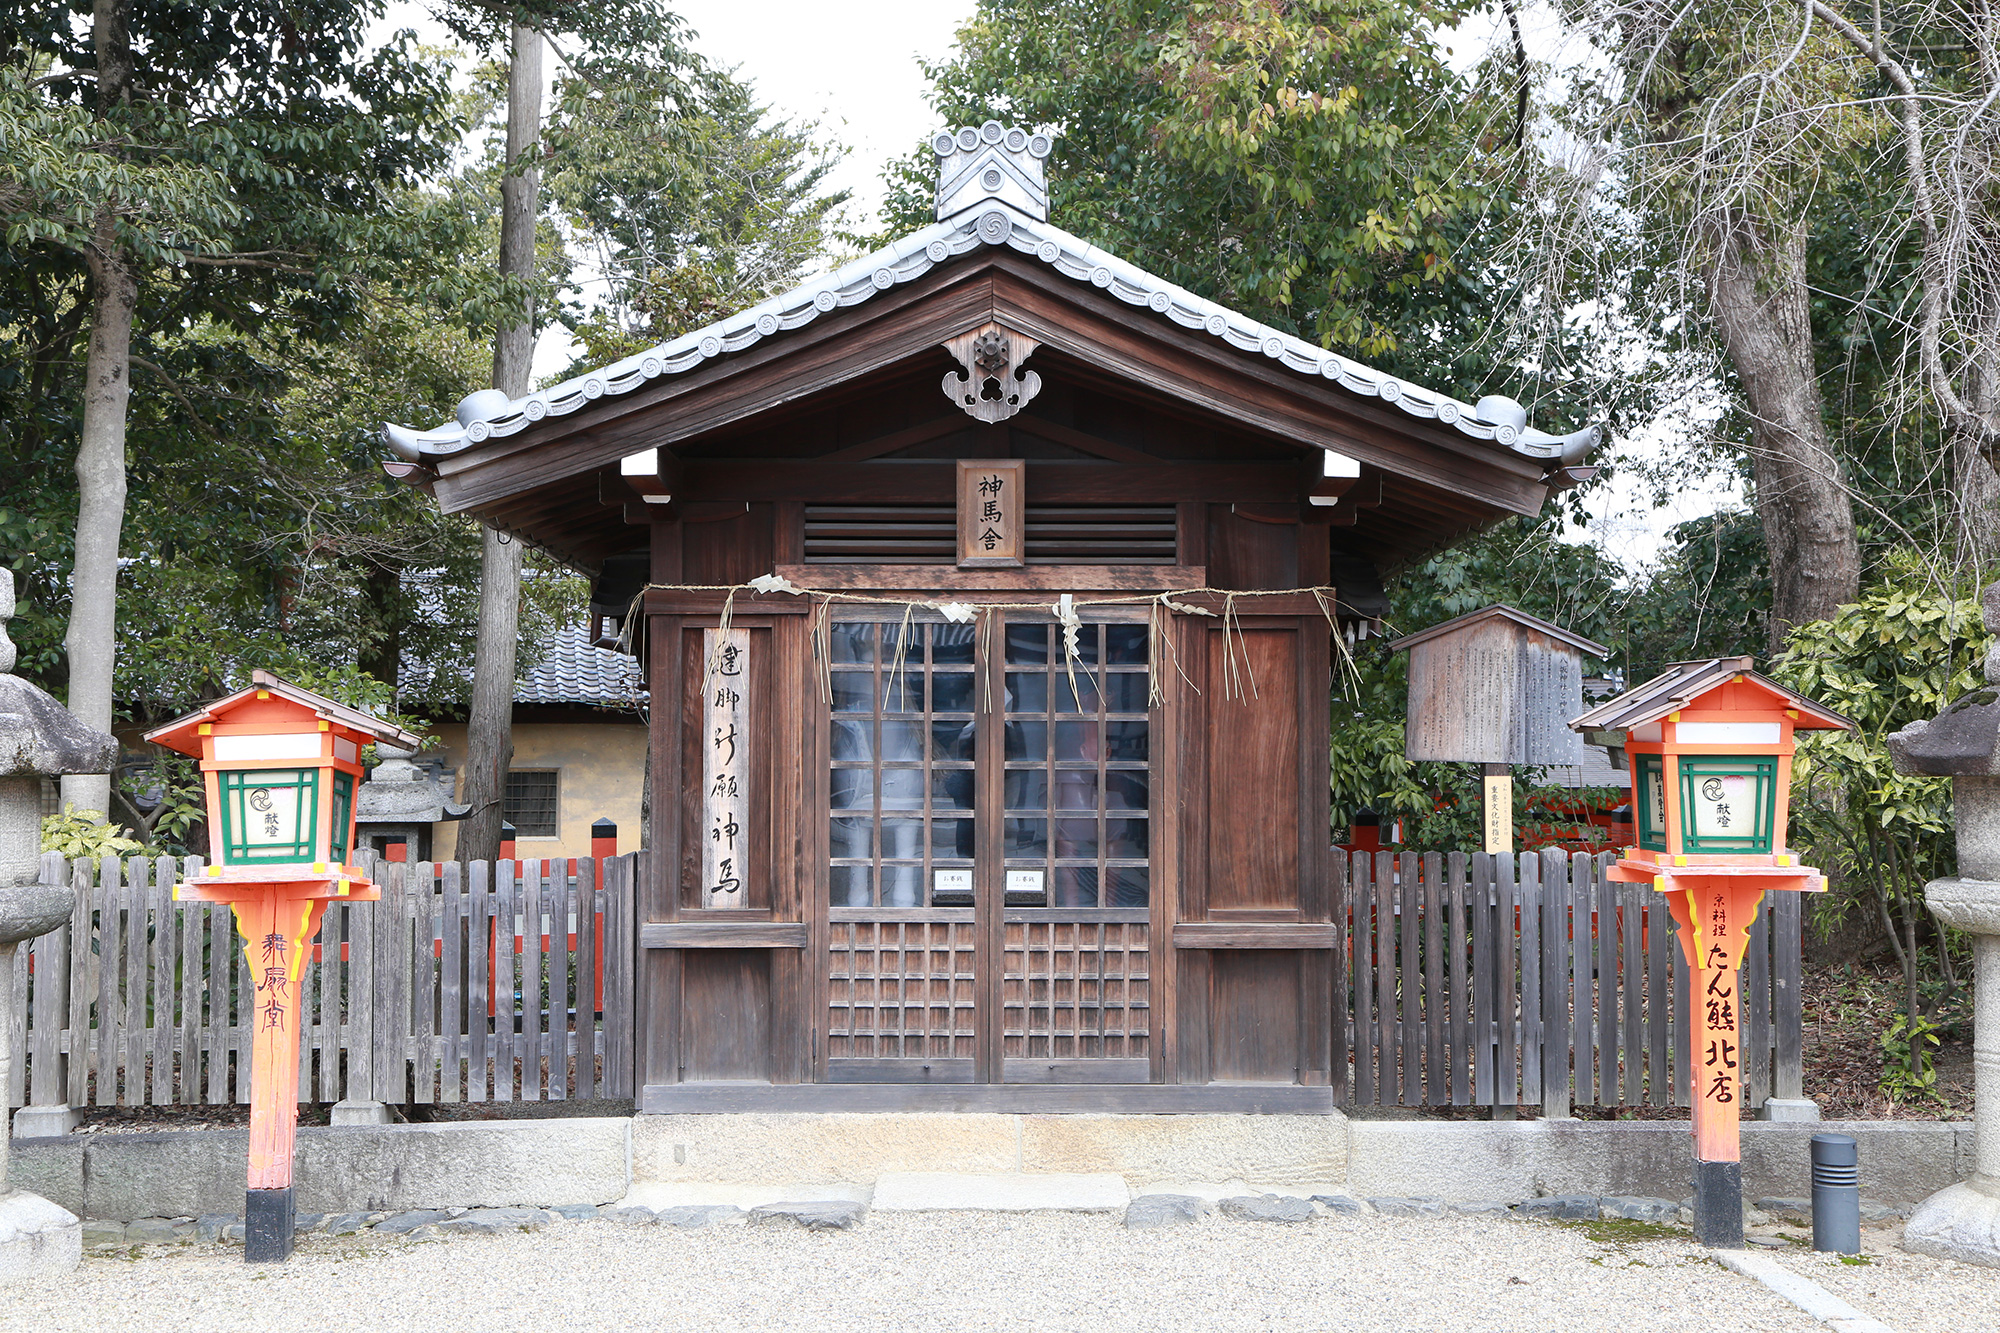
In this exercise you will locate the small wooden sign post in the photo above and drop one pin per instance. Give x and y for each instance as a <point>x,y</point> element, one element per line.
<point>1710,748</point>
<point>280,766</point>
<point>1495,688</point>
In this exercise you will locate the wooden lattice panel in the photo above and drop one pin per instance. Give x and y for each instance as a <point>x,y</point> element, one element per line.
<point>1076,990</point>
<point>901,990</point>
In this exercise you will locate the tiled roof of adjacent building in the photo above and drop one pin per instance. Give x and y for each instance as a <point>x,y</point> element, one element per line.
<point>573,672</point>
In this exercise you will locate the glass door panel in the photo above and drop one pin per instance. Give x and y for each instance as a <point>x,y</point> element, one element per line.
<point>938,838</point>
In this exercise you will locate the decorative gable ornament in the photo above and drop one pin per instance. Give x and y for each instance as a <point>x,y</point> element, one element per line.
<point>993,386</point>
<point>992,164</point>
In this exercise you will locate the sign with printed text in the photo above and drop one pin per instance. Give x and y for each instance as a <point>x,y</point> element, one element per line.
<point>725,767</point>
<point>1497,813</point>
<point>992,515</point>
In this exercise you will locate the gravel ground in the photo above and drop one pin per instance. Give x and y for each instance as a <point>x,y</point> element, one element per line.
<point>953,1271</point>
<point>1906,1291</point>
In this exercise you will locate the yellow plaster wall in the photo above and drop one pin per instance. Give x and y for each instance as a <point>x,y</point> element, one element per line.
<point>602,768</point>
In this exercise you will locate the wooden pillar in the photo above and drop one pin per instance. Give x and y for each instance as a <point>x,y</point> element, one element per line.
<point>1714,916</point>
<point>278,930</point>
<point>278,922</point>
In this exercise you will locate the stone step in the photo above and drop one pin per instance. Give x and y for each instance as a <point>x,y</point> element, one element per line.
<point>1010,1192</point>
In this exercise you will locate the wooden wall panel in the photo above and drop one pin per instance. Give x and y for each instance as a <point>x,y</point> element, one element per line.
<point>1246,553</point>
<point>726,1014</point>
<point>1254,1031</point>
<point>732,549</point>
<point>1252,746</point>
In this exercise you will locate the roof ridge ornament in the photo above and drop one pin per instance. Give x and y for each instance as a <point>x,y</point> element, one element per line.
<point>993,386</point>
<point>994,163</point>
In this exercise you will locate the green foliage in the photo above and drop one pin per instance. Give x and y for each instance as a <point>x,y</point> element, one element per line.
<point>83,833</point>
<point>264,180</point>
<point>1308,163</point>
<point>1897,656</point>
<point>1709,595</point>
<point>686,200</point>
<point>166,799</point>
<point>1909,1064</point>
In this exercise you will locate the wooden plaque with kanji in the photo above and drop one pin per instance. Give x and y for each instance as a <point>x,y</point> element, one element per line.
<point>991,514</point>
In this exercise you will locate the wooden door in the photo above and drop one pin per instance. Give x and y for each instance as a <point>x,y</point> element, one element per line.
<point>988,883</point>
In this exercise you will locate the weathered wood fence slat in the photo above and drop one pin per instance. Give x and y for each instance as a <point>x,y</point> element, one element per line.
<point>141,1000</point>
<point>1557,987</point>
<point>1460,980</point>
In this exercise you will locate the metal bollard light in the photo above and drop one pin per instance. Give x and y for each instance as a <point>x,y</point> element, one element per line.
<point>1836,1194</point>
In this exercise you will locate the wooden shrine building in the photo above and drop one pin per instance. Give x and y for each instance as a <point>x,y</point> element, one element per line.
<point>1020,804</point>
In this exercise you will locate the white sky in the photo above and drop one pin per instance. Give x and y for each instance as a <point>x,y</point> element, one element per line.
<point>854,68</point>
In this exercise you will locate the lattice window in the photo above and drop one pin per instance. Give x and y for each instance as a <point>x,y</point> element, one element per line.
<point>903,750</point>
<point>533,803</point>
<point>1076,989</point>
<point>1077,787</point>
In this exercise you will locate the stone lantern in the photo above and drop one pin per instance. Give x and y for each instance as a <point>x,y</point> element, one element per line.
<point>1963,1221</point>
<point>39,738</point>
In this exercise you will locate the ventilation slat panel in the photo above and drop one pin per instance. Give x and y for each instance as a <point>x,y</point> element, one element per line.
<point>928,535</point>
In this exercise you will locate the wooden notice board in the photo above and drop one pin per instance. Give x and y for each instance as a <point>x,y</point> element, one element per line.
<point>992,518</point>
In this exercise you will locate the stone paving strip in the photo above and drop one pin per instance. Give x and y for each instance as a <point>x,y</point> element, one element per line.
<point>1166,1262</point>
<point>1910,1292</point>
<point>1803,1292</point>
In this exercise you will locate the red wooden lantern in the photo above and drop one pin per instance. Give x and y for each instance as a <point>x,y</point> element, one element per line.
<point>280,765</point>
<point>1710,749</point>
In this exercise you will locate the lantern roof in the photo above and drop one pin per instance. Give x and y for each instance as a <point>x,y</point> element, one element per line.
<point>1683,683</point>
<point>1501,611</point>
<point>183,733</point>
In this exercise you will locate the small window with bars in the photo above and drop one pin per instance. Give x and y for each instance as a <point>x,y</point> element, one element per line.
<point>533,804</point>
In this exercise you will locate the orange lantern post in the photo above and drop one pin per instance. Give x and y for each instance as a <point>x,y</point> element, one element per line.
<point>1709,746</point>
<point>280,765</point>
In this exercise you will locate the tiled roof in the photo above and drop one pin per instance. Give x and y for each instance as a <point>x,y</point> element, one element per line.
<point>1013,221</point>
<point>573,672</point>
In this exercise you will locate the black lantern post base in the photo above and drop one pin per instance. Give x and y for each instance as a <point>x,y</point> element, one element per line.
<point>1718,1205</point>
<point>268,1221</point>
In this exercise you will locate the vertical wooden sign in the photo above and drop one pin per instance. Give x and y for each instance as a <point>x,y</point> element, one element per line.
<point>992,513</point>
<point>725,768</point>
<point>1496,808</point>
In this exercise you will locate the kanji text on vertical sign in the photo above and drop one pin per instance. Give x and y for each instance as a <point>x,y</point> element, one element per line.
<point>1496,809</point>
<point>992,513</point>
<point>725,770</point>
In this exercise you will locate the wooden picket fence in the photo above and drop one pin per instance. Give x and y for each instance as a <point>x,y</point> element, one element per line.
<point>1494,980</point>
<point>1466,980</point>
<point>441,992</point>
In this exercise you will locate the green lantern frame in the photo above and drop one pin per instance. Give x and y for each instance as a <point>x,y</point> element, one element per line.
<point>1762,773</point>
<point>1650,824</point>
<point>302,784</point>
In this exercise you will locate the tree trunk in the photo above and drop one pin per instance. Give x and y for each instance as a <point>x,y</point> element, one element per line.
<point>1757,296</point>
<point>91,640</point>
<point>1975,483</point>
<point>382,590</point>
<point>489,746</point>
